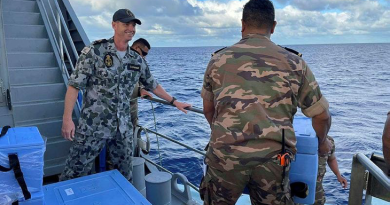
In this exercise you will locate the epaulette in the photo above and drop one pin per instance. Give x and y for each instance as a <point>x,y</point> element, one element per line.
<point>293,51</point>
<point>99,41</point>
<point>217,51</point>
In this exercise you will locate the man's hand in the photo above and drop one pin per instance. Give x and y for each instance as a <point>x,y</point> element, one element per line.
<point>181,106</point>
<point>145,94</point>
<point>324,147</point>
<point>68,129</point>
<point>343,181</point>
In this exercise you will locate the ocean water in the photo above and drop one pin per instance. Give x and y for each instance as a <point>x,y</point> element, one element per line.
<point>353,77</point>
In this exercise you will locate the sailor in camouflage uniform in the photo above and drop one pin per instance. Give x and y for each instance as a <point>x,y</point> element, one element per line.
<point>251,91</point>
<point>331,160</point>
<point>107,71</point>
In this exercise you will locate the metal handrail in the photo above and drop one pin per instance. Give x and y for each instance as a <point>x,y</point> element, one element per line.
<point>63,67</point>
<point>60,36</point>
<point>203,153</point>
<point>374,170</point>
<point>50,27</point>
<point>197,110</point>
<point>177,142</point>
<point>360,164</point>
<point>73,47</point>
<point>166,170</point>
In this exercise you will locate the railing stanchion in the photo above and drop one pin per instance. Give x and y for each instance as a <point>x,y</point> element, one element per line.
<point>357,183</point>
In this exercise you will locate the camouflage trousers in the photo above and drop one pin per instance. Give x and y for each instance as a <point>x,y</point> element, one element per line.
<point>320,193</point>
<point>85,149</point>
<point>263,181</point>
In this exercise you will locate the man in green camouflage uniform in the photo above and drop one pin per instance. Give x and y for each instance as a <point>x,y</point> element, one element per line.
<point>142,47</point>
<point>107,71</point>
<point>251,91</point>
<point>331,160</point>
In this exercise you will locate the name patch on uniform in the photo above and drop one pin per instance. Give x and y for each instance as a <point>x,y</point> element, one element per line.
<point>133,67</point>
<point>108,60</point>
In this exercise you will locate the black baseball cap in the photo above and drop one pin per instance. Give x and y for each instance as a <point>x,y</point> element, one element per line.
<point>125,16</point>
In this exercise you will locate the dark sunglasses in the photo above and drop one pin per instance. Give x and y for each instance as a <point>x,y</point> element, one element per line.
<point>144,53</point>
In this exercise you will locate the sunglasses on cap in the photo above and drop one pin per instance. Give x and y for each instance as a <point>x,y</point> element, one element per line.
<point>143,52</point>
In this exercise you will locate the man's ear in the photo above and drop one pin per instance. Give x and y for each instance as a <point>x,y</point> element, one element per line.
<point>113,24</point>
<point>273,27</point>
<point>243,26</point>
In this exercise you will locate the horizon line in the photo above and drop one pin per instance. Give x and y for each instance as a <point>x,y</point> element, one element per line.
<point>308,44</point>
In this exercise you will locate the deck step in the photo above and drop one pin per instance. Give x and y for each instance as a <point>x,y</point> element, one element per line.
<point>57,147</point>
<point>28,76</point>
<point>23,6</point>
<point>54,166</point>
<point>4,111</point>
<point>6,120</point>
<point>21,59</point>
<point>28,45</point>
<point>40,110</point>
<point>22,18</point>
<point>5,117</point>
<point>47,127</point>
<point>37,93</point>
<point>25,31</point>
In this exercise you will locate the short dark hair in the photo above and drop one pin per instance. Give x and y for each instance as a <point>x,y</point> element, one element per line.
<point>143,42</point>
<point>259,14</point>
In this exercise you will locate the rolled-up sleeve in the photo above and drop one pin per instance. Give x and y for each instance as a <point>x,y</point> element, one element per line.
<point>207,89</point>
<point>147,79</point>
<point>83,69</point>
<point>310,99</point>
<point>332,154</point>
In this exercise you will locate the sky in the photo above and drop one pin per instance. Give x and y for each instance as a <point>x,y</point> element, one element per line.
<point>186,23</point>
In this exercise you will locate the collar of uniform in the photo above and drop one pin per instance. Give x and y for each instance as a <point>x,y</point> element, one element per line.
<point>256,35</point>
<point>131,51</point>
<point>112,48</point>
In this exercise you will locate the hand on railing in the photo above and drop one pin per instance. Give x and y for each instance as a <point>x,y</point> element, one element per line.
<point>182,106</point>
<point>194,109</point>
<point>145,94</point>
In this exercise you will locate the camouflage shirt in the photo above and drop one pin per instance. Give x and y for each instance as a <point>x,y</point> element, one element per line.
<point>256,87</point>
<point>108,82</point>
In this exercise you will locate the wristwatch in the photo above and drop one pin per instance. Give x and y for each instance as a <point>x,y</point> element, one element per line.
<point>173,100</point>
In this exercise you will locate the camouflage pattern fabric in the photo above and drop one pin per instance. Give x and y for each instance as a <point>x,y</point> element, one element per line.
<point>108,83</point>
<point>106,103</point>
<point>256,87</point>
<point>84,150</point>
<point>134,121</point>
<point>322,163</point>
<point>225,187</point>
<point>134,106</point>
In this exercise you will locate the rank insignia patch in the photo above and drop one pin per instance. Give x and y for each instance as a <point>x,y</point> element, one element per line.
<point>108,60</point>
